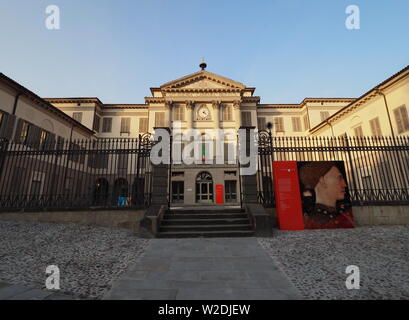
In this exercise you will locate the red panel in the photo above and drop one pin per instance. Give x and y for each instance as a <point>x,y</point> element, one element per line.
<point>219,194</point>
<point>287,195</point>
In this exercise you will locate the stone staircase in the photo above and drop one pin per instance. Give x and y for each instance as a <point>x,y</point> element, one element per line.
<point>211,221</point>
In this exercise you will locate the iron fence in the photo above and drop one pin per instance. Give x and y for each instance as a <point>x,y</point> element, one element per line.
<point>376,167</point>
<point>77,174</point>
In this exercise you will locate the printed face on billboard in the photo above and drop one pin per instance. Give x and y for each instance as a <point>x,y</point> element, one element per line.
<point>324,193</point>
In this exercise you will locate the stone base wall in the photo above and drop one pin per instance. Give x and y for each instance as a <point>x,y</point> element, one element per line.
<point>127,219</point>
<point>373,215</point>
<point>381,215</point>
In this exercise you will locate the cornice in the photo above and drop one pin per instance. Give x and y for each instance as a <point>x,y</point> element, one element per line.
<point>74,100</point>
<point>200,90</point>
<point>125,106</point>
<point>251,99</point>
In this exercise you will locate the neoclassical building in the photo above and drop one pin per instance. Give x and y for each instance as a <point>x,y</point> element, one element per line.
<point>204,101</point>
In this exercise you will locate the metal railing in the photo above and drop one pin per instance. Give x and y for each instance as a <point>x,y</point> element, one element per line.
<point>377,168</point>
<point>77,174</point>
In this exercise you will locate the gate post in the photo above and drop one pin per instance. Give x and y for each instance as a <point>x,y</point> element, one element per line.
<point>160,199</point>
<point>262,221</point>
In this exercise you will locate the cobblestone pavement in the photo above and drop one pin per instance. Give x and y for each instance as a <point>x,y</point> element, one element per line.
<point>89,258</point>
<point>316,260</point>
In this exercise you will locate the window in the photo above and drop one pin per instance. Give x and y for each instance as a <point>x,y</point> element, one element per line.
<point>95,125</point>
<point>324,115</point>
<point>159,119</point>
<point>261,123</point>
<point>296,124</point>
<point>227,113</point>
<point>229,152</point>
<point>343,142</point>
<point>358,131</point>
<point>36,183</point>
<point>125,125</point>
<point>43,139</point>
<point>279,124</point>
<point>106,124</point>
<point>246,119</point>
<point>6,125</point>
<point>143,125</point>
<point>123,161</point>
<point>24,132</point>
<point>375,127</point>
<point>230,194</point>
<point>179,113</point>
<point>74,154</point>
<point>178,192</point>
<point>306,123</point>
<point>401,117</point>
<point>77,116</point>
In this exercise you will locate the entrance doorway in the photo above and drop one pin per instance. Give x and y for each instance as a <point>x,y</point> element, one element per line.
<point>204,188</point>
<point>178,191</point>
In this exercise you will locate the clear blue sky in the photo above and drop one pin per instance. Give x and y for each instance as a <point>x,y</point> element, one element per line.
<point>288,50</point>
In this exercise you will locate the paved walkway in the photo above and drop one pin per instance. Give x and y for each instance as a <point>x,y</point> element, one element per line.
<point>19,292</point>
<point>204,269</point>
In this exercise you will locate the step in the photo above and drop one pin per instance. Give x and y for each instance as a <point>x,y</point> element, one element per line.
<point>216,209</point>
<point>206,234</point>
<point>168,222</point>
<point>200,228</point>
<point>205,216</point>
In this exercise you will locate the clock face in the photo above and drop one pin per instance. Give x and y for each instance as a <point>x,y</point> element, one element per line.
<point>203,112</point>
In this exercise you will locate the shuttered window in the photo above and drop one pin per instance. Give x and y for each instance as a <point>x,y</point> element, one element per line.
<point>43,138</point>
<point>375,127</point>
<point>296,124</point>
<point>159,119</point>
<point>27,133</point>
<point>402,120</point>
<point>246,119</point>
<point>143,125</point>
<point>125,125</point>
<point>7,122</point>
<point>179,113</point>
<point>306,123</point>
<point>279,124</point>
<point>324,115</point>
<point>106,124</point>
<point>227,113</point>
<point>77,116</point>
<point>261,123</point>
<point>358,131</point>
<point>96,123</point>
<point>24,132</point>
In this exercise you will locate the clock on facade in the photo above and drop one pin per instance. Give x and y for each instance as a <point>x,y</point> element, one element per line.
<point>203,113</point>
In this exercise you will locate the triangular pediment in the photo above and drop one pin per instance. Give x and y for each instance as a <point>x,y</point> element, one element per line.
<point>203,80</point>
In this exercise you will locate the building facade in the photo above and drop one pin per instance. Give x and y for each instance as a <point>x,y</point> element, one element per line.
<point>203,101</point>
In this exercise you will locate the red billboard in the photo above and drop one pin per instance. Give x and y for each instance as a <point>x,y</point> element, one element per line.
<point>287,195</point>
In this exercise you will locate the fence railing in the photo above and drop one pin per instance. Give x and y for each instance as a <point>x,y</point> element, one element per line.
<point>117,173</point>
<point>377,168</point>
<point>103,173</point>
